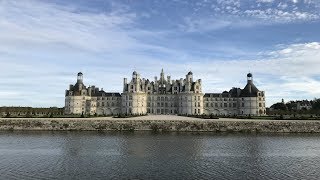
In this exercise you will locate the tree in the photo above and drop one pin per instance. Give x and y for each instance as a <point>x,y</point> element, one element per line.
<point>316,104</point>
<point>279,106</point>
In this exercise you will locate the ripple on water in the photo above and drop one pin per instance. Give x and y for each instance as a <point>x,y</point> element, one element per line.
<point>143,155</point>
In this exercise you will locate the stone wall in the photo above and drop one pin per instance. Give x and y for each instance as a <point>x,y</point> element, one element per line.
<point>160,125</point>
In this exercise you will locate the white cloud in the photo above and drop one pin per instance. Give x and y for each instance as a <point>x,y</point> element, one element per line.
<point>43,46</point>
<point>35,22</point>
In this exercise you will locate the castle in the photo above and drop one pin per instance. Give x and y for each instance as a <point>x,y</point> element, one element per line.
<point>164,96</point>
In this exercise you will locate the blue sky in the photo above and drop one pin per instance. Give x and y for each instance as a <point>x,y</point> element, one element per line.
<point>44,43</point>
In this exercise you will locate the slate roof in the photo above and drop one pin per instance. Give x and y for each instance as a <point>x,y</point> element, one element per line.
<point>250,90</point>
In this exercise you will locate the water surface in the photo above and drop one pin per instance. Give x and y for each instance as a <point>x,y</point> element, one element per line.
<point>145,155</point>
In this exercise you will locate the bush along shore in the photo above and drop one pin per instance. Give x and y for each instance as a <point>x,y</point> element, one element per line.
<point>123,124</point>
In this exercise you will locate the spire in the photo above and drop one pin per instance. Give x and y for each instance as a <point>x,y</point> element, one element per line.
<point>162,75</point>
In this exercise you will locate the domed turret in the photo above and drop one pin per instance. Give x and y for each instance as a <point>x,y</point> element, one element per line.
<point>189,77</point>
<point>134,75</point>
<point>249,77</point>
<point>80,77</point>
<point>250,90</point>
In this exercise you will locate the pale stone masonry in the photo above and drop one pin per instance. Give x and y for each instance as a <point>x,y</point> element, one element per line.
<point>164,96</point>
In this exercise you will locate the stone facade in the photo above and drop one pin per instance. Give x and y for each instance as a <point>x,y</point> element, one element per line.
<point>92,100</point>
<point>246,101</point>
<point>164,96</point>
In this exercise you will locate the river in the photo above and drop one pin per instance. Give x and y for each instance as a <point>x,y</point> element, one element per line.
<point>147,155</point>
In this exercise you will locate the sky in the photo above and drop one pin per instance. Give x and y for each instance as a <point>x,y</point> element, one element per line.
<point>45,43</point>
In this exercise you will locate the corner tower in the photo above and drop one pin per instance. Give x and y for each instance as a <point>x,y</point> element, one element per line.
<point>252,100</point>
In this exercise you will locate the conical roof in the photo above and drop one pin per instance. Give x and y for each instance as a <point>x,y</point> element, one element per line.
<point>250,90</point>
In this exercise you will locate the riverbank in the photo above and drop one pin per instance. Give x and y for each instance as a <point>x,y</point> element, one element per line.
<point>161,123</point>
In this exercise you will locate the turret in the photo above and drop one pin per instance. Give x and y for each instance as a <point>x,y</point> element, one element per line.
<point>249,78</point>
<point>189,77</point>
<point>134,75</point>
<point>80,78</point>
<point>162,77</point>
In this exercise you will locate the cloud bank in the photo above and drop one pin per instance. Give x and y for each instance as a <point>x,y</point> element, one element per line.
<point>44,44</point>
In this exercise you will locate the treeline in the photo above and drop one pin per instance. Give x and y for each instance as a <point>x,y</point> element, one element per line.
<point>30,112</point>
<point>304,107</point>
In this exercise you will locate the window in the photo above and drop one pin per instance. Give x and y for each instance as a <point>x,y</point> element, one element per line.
<point>198,104</point>
<point>199,98</point>
<point>242,104</point>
